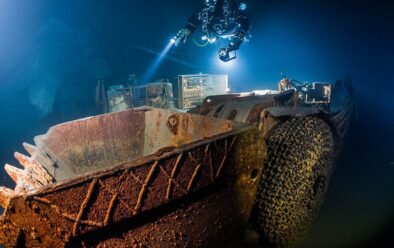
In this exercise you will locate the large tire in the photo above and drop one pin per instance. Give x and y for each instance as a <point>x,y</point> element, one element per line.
<point>294,180</point>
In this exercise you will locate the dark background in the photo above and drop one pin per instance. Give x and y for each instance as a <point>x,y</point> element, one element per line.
<point>53,52</point>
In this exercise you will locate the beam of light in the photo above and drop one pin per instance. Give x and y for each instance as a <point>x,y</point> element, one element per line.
<point>156,63</point>
<point>166,56</point>
<point>195,57</point>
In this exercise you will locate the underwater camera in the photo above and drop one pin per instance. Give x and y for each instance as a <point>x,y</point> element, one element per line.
<point>226,54</point>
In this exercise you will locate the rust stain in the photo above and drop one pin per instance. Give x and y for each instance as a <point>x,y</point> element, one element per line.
<point>126,193</point>
<point>83,205</point>
<point>173,123</point>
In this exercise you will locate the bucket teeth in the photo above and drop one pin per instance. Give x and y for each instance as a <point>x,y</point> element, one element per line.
<point>25,181</point>
<point>37,171</point>
<point>29,148</point>
<point>13,172</point>
<point>29,179</point>
<point>40,157</point>
<point>5,196</point>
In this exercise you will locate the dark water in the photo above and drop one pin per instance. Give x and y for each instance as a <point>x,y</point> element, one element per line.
<point>53,52</point>
<point>358,211</point>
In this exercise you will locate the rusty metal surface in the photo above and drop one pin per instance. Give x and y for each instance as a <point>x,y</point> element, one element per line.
<point>9,234</point>
<point>243,109</point>
<point>209,220</point>
<point>151,178</point>
<point>108,140</point>
<point>268,123</point>
<point>63,212</point>
<point>209,103</point>
<point>5,196</point>
<point>31,177</point>
<point>93,143</point>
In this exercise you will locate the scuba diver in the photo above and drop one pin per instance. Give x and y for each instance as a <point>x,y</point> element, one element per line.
<point>224,19</point>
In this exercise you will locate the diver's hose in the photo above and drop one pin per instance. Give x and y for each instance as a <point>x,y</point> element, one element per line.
<point>202,44</point>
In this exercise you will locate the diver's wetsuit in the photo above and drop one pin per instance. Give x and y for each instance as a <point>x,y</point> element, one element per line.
<point>225,19</point>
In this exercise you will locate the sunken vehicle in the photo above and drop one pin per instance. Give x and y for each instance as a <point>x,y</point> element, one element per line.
<point>147,177</point>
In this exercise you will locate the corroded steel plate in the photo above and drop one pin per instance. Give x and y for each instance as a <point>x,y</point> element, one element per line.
<point>208,180</point>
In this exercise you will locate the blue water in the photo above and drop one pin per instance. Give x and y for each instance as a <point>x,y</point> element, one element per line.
<point>53,52</point>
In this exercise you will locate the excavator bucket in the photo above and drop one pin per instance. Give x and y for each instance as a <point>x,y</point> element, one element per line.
<point>144,177</point>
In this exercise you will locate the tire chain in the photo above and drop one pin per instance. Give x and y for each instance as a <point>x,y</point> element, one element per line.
<point>294,180</point>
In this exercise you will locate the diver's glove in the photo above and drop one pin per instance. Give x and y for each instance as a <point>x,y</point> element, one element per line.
<point>182,36</point>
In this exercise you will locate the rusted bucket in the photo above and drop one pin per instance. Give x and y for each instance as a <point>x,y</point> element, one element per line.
<point>141,177</point>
